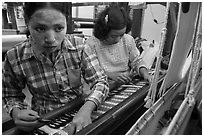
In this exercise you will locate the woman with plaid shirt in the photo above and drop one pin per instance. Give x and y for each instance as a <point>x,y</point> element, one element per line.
<point>51,67</point>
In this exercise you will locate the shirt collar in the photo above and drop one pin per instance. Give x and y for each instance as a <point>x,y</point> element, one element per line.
<point>28,52</point>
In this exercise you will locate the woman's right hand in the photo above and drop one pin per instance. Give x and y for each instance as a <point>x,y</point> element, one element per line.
<point>25,119</point>
<point>122,78</point>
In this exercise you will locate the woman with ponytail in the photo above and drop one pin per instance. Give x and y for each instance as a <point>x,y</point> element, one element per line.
<point>115,49</point>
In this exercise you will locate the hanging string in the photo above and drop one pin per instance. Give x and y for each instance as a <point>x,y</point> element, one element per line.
<point>151,95</point>
<point>155,21</point>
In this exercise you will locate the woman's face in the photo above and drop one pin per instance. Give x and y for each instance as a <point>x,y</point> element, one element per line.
<point>47,28</point>
<point>114,36</point>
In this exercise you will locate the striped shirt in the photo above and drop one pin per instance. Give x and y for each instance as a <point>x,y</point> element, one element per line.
<point>51,83</point>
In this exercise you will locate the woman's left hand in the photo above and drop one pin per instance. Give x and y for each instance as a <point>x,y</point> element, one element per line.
<point>148,77</point>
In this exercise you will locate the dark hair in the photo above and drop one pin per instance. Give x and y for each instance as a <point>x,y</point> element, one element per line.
<point>31,7</point>
<point>113,17</point>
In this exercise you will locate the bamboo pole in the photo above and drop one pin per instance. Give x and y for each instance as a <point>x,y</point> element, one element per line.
<point>150,98</point>
<point>197,48</point>
<point>189,100</point>
<point>182,112</point>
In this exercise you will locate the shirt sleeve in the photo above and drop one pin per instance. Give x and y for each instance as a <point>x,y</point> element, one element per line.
<point>12,86</point>
<point>94,76</point>
<point>136,60</point>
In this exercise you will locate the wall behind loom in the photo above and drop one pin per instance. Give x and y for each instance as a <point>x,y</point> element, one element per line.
<point>150,29</point>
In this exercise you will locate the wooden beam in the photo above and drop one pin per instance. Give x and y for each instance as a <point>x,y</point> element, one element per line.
<point>90,4</point>
<point>136,23</point>
<point>68,7</point>
<point>83,19</point>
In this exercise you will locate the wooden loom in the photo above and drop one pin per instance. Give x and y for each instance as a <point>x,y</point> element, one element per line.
<point>153,121</point>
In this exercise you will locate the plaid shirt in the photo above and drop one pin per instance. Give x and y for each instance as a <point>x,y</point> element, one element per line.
<point>51,83</point>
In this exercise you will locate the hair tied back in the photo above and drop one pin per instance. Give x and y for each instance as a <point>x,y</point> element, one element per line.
<point>106,19</point>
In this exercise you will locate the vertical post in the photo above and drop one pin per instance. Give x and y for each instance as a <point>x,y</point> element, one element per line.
<point>68,7</point>
<point>137,23</point>
<point>12,14</point>
<point>171,27</point>
<point>4,19</point>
